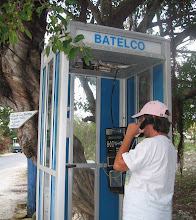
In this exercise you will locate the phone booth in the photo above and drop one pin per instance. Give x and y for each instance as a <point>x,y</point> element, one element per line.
<point>78,104</point>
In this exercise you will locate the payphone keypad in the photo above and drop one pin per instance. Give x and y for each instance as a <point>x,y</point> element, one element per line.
<point>114,139</point>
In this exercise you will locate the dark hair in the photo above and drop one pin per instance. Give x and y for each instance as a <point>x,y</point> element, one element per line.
<point>161,124</point>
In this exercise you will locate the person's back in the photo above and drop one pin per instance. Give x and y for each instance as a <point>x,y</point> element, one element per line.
<point>151,184</point>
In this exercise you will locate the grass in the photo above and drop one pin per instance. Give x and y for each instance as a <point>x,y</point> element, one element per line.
<point>184,195</point>
<point>189,146</point>
<point>184,199</point>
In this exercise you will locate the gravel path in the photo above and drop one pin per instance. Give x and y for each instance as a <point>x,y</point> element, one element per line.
<point>13,189</point>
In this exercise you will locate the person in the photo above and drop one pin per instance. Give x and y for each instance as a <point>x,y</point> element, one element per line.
<point>150,167</point>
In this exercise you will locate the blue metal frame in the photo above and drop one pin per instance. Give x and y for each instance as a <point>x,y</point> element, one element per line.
<point>130,99</point>
<point>40,194</point>
<point>67,152</point>
<point>158,83</point>
<point>52,209</point>
<point>32,178</point>
<point>43,97</point>
<point>108,202</point>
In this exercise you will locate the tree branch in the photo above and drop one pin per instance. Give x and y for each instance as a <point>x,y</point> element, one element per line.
<point>190,31</point>
<point>96,12</point>
<point>89,95</point>
<point>126,7</point>
<point>150,13</point>
<point>180,81</point>
<point>123,10</point>
<point>83,10</point>
<point>189,93</point>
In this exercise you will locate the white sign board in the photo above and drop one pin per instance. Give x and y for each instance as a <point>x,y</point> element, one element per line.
<point>19,118</point>
<point>114,41</point>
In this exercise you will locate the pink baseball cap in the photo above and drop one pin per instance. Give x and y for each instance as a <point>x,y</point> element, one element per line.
<point>153,108</point>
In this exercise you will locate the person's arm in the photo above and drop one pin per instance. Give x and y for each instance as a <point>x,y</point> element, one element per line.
<point>132,130</point>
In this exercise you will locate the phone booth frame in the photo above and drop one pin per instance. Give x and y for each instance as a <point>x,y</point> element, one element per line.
<point>138,53</point>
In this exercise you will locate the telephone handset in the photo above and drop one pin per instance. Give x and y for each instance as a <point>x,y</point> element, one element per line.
<point>148,120</point>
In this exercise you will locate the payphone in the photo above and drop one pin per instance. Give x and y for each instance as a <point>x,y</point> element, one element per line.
<point>114,138</point>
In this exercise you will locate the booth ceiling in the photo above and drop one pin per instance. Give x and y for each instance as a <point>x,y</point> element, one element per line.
<point>108,63</point>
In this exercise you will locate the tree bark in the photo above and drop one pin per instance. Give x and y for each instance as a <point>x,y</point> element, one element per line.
<point>151,10</point>
<point>83,184</point>
<point>19,80</point>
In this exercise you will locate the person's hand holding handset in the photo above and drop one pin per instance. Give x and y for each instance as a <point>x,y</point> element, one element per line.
<point>132,130</point>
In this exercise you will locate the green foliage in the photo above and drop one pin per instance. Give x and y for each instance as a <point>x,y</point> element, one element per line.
<point>86,133</point>
<point>186,76</point>
<point>4,121</point>
<point>4,143</point>
<point>184,194</point>
<point>59,38</point>
<point>79,105</point>
<point>189,143</point>
<point>14,13</point>
<point>6,136</point>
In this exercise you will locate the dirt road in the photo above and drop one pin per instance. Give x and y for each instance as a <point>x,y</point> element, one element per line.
<point>13,187</point>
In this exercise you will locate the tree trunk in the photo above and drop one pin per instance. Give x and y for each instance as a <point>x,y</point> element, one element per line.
<point>83,184</point>
<point>19,80</point>
<point>180,130</point>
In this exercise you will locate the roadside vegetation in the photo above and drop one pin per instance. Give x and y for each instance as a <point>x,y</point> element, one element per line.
<point>6,135</point>
<point>184,199</point>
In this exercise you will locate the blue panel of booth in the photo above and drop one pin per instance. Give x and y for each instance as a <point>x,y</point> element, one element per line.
<point>158,83</point>
<point>52,210</point>
<point>67,152</point>
<point>108,202</point>
<point>130,100</point>
<point>40,194</point>
<point>31,199</point>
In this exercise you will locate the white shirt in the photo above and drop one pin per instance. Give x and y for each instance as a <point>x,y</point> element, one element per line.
<point>149,184</point>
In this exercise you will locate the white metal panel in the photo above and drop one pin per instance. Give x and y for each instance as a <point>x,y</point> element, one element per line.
<point>167,90</point>
<point>38,206</point>
<point>61,137</point>
<point>52,109</point>
<point>122,123</point>
<point>41,167</point>
<point>39,136</point>
<point>123,103</point>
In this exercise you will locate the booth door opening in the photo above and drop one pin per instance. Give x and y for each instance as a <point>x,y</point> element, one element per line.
<point>82,149</point>
<point>145,86</point>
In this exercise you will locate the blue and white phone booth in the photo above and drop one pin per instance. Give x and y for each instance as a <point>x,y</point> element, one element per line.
<point>129,69</point>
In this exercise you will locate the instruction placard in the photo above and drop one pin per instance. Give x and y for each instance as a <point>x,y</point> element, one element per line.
<point>19,118</point>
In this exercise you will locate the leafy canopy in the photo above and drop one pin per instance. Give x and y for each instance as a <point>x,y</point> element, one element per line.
<point>186,79</point>
<point>14,14</point>
<point>4,121</point>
